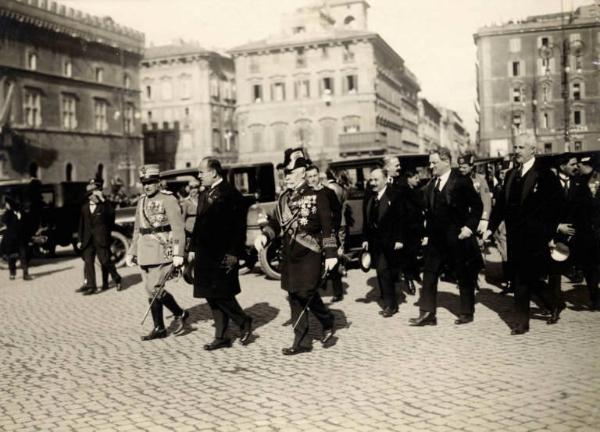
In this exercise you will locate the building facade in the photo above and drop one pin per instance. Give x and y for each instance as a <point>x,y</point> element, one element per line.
<point>429,126</point>
<point>543,74</point>
<point>69,98</point>
<point>188,105</point>
<point>453,133</point>
<point>325,83</point>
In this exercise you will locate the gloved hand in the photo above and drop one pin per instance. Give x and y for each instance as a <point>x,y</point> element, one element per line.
<point>260,242</point>
<point>130,260</point>
<point>191,256</point>
<point>229,262</point>
<point>330,263</point>
<point>177,261</point>
<point>398,246</point>
<point>482,227</point>
<point>465,233</point>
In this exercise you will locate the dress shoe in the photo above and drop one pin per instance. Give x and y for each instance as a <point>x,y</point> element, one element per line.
<point>156,333</point>
<point>91,291</point>
<point>296,350</point>
<point>180,321</point>
<point>410,286</point>
<point>388,312</point>
<point>217,344</point>
<point>246,332</point>
<point>519,329</point>
<point>426,318</point>
<point>27,277</point>
<point>327,335</point>
<point>82,289</point>
<point>463,319</point>
<point>336,299</point>
<point>12,277</point>
<point>119,286</point>
<point>555,315</point>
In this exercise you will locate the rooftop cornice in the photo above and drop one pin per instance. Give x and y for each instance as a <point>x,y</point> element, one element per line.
<point>74,23</point>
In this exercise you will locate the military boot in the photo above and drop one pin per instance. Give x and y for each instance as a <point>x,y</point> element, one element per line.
<point>159,331</point>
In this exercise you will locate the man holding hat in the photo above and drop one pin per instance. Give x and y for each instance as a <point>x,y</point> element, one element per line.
<point>303,216</point>
<point>96,221</point>
<point>158,246</point>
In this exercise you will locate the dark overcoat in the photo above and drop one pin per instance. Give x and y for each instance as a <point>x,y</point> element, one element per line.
<point>95,228</point>
<point>531,222</point>
<point>219,230</point>
<point>459,206</point>
<point>13,235</point>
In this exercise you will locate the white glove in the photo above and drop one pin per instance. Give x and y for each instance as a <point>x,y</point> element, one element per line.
<point>330,263</point>
<point>365,245</point>
<point>260,242</point>
<point>424,241</point>
<point>129,260</point>
<point>177,261</point>
<point>482,227</point>
<point>398,246</point>
<point>191,256</point>
<point>486,234</point>
<point>465,233</point>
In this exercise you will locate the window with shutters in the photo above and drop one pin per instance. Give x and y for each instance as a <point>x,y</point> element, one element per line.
<point>302,89</point>
<point>67,68</point>
<point>576,88</point>
<point>300,58</point>
<point>69,111</point>
<point>257,96</point>
<point>278,92</point>
<point>129,119</point>
<point>326,86</point>
<point>32,107</point>
<point>515,45</point>
<point>100,115</point>
<point>99,75</point>
<point>350,84</point>
<point>32,61</point>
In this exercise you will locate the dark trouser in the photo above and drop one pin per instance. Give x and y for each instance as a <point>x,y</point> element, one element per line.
<point>592,280</point>
<point>89,256</point>
<point>299,301</point>
<point>336,281</point>
<point>167,300</point>
<point>466,287</point>
<point>223,310</point>
<point>386,276</point>
<point>23,258</point>
<point>524,286</point>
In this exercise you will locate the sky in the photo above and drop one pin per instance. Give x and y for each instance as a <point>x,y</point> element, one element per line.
<point>434,37</point>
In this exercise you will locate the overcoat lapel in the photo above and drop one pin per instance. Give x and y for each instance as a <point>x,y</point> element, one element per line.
<point>530,179</point>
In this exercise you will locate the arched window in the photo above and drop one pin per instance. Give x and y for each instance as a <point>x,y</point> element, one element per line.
<point>34,170</point>
<point>69,172</point>
<point>100,173</point>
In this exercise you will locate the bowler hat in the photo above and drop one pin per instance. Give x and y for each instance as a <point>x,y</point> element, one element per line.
<point>467,158</point>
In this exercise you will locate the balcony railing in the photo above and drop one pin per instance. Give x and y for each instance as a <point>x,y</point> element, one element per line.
<point>362,143</point>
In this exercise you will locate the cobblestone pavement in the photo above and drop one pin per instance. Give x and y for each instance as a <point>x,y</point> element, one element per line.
<point>73,362</point>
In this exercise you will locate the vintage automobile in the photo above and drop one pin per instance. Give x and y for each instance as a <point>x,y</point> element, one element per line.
<point>257,182</point>
<point>58,204</point>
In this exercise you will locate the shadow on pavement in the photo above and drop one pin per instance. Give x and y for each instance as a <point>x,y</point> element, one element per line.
<point>131,280</point>
<point>578,298</point>
<point>262,314</point>
<point>374,295</point>
<point>49,272</point>
<point>501,304</point>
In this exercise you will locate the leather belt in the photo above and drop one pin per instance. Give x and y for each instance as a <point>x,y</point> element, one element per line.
<point>164,228</point>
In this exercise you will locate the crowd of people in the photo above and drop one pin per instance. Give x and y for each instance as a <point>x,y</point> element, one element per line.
<point>543,218</point>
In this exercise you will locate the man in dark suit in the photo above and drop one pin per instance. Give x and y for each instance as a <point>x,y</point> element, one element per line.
<point>528,206</point>
<point>383,233</point>
<point>217,242</point>
<point>453,213</point>
<point>96,221</point>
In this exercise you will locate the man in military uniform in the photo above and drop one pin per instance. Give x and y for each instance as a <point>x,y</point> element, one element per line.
<point>158,246</point>
<point>304,218</point>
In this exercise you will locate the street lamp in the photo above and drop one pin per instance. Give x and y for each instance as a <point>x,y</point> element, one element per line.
<point>546,52</point>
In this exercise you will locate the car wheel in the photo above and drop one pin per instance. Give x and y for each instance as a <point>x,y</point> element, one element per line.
<point>270,259</point>
<point>118,248</point>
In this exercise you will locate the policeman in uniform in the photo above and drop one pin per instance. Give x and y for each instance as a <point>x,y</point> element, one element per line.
<point>304,218</point>
<point>158,246</point>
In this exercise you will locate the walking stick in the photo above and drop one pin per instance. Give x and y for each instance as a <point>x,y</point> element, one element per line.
<point>162,281</point>
<point>322,281</point>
